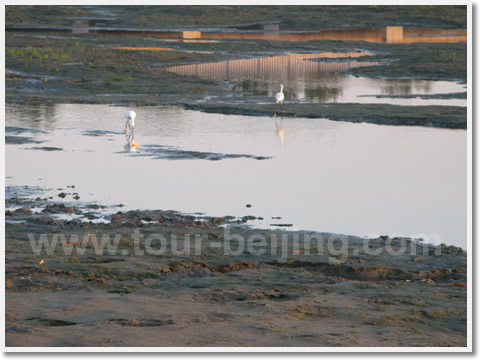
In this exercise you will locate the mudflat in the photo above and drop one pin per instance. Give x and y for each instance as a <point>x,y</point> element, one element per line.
<point>263,288</point>
<point>203,286</point>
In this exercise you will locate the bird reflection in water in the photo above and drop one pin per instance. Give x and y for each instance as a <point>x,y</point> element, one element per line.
<point>279,129</point>
<point>129,148</point>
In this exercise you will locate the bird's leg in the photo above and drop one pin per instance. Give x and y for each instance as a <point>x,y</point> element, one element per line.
<point>126,124</point>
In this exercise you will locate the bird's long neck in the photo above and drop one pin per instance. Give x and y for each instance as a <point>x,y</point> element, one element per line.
<point>281,88</point>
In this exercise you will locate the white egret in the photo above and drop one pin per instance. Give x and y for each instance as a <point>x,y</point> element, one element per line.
<point>130,116</point>
<point>130,125</point>
<point>280,96</point>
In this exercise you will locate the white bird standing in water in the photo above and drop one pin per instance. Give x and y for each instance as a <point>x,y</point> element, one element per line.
<point>130,124</point>
<point>280,96</point>
<point>130,116</point>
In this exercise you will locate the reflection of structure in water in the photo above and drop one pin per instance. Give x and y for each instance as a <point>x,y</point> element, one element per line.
<point>261,76</point>
<point>406,87</point>
<point>277,68</point>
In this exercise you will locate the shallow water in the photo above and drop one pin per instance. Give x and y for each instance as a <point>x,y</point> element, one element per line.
<point>315,174</point>
<point>317,77</point>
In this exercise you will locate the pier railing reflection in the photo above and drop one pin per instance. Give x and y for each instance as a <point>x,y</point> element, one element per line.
<point>276,68</point>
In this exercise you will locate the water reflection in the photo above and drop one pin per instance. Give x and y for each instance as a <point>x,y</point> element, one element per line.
<point>317,77</point>
<point>279,129</point>
<point>333,176</point>
<point>38,116</point>
<point>261,76</point>
<point>386,34</point>
<point>281,68</point>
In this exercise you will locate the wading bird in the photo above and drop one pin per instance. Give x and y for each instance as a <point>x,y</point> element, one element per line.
<point>130,126</point>
<point>280,96</point>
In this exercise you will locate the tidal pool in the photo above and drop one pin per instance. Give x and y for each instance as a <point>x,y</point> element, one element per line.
<point>314,174</point>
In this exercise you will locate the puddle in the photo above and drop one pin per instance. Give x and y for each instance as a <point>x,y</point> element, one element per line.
<point>321,175</point>
<point>386,34</point>
<point>315,77</point>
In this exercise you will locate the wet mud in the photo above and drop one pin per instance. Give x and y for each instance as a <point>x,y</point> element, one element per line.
<point>321,298</point>
<point>452,117</point>
<point>171,153</point>
<point>368,294</point>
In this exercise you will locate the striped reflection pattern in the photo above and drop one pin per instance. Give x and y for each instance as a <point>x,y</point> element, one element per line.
<point>285,68</point>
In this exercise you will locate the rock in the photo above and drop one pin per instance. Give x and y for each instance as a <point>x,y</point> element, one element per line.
<point>69,210</point>
<point>248,205</point>
<point>76,197</point>
<point>130,223</point>
<point>119,216</point>
<point>62,195</point>
<point>419,258</point>
<point>45,220</point>
<point>24,211</point>
<point>115,223</point>
<point>54,208</point>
